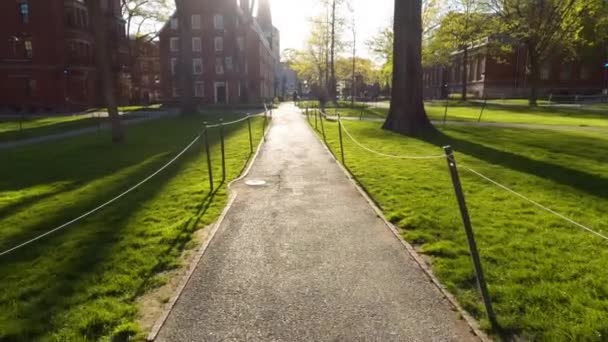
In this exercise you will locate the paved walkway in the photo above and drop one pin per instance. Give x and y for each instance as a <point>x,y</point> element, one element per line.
<point>305,258</point>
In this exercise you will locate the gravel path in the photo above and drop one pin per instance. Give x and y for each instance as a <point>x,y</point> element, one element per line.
<point>305,258</point>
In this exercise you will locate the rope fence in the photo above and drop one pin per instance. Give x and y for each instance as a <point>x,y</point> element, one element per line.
<point>320,116</point>
<point>203,135</point>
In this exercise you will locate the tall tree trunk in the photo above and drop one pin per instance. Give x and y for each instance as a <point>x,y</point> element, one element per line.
<point>104,68</point>
<point>332,78</point>
<point>465,73</point>
<point>184,75</point>
<point>406,114</point>
<point>534,77</point>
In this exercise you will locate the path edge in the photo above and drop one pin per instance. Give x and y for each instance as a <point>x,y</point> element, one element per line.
<point>471,322</point>
<point>162,319</point>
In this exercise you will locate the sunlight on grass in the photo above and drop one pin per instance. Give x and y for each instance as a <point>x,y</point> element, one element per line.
<point>81,283</point>
<point>546,277</point>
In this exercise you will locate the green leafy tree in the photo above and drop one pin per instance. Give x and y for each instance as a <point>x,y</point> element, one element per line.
<point>545,27</point>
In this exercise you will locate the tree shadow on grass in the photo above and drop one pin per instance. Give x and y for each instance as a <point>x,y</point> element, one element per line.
<point>583,181</point>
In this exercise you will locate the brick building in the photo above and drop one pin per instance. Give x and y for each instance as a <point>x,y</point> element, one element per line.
<point>47,55</point>
<point>233,59</point>
<point>145,72</point>
<point>506,76</point>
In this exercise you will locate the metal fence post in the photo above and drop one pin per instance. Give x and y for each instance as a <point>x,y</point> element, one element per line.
<point>466,221</point>
<point>264,125</point>
<point>483,107</point>
<point>321,114</point>
<point>341,143</point>
<point>445,114</point>
<point>316,127</point>
<point>207,152</point>
<point>223,149</point>
<point>250,135</point>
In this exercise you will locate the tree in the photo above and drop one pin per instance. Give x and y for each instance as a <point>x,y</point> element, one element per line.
<point>184,74</point>
<point>459,30</point>
<point>406,114</point>
<point>104,69</point>
<point>544,27</point>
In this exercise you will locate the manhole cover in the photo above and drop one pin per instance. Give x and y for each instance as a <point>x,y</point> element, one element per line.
<point>255,182</point>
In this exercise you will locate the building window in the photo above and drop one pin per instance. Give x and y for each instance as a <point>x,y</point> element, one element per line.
<point>197,66</point>
<point>240,42</point>
<point>219,44</point>
<point>197,45</point>
<point>30,88</point>
<point>175,91</point>
<point>566,72</point>
<point>218,22</point>
<point>228,63</point>
<point>28,48</point>
<point>545,72</point>
<point>173,66</point>
<point>174,44</point>
<point>196,21</point>
<point>174,23</point>
<point>24,12</point>
<point>199,89</point>
<point>585,73</point>
<point>219,66</point>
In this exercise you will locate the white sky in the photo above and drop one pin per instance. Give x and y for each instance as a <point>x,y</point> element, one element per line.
<point>291,18</point>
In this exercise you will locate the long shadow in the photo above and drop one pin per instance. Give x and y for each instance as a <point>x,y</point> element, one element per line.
<point>60,284</point>
<point>589,183</point>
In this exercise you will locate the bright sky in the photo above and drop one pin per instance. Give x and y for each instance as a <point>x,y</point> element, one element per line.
<point>291,18</point>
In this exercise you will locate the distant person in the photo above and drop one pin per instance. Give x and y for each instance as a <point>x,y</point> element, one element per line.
<point>295,97</point>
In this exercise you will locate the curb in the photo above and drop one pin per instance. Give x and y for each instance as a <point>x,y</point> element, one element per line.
<point>473,324</point>
<point>162,319</point>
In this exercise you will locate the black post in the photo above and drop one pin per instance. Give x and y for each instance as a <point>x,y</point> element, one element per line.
<point>98,122</point>
<point>321,114</point>
<point>223,149</point>
<point>483,107</point>
<point>307,115</point>
<point>341,143</point>
<point>264,125</point>
<point>250,135</point>
<point>316,126</point>
<point>468,228</point>
<point>445,114</point>
<point>207,152</point>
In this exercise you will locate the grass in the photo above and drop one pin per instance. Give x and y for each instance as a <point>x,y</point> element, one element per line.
<point>82,282</point>
<point>494,113</point>
<point>12,129</point>
<point>547,278</point>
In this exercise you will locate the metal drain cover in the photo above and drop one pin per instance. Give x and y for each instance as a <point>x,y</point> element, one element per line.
<point>255,182</point>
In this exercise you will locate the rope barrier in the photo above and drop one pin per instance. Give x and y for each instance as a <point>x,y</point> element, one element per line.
<point>384,154</point>
<point>89,213</point>
<point>549,210</point>
<point>106,203</point>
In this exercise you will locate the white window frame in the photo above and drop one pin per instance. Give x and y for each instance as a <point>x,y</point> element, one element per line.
<point>228,64</point>
<point>199,89</point>
<point>197,62</point>
<point>195,21</point>
<point>240,42</point>
<point>197,44</point>
<point>218,44</point>
<point>174,44</point>
<point>219,66</point>
<point>218,22</point>
<point>174,24</point>
<point>173,66</point>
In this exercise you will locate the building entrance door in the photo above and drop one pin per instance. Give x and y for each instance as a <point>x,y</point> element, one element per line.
<point>220,93</point>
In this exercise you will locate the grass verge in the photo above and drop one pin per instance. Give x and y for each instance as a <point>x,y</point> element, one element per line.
<point>82,283</point>
<point>546,277</point>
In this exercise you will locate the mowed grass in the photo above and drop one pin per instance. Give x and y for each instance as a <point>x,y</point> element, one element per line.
<point>27,126</point>
<point>81,283</point>
<point>547,278</point>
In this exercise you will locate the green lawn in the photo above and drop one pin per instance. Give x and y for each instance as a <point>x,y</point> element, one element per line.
<point>81,283</point>
<point>496,113</point>
<point>547,278</point>
<point>35,126</point>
